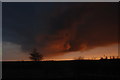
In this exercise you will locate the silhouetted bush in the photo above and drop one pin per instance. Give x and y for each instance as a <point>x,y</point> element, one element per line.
<point>106,57</point>
<point>35,55</point>
<point>101,58</point>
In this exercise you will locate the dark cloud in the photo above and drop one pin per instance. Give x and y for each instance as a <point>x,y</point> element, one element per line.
<point>60,27</point>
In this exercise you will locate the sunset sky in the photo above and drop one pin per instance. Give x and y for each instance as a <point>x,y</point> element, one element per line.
<point>59,31</point>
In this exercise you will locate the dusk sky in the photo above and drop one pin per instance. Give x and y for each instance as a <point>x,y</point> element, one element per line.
<point>59,30</point>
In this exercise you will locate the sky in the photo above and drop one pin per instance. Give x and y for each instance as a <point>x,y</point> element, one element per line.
<point>59,30</point>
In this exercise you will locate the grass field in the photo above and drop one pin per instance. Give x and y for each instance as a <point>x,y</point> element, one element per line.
<point>67,70</point>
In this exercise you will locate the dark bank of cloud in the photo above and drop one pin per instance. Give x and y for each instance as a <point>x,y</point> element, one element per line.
<point>61,27</point>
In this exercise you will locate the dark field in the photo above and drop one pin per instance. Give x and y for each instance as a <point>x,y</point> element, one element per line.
<point>63,70</point>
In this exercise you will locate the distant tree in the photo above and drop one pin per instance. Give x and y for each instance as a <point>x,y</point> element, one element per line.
<point>110,57</point>
<point>101,58</point>
<point>113,57</point>
<point>35,55</point>
<point>106,57</point>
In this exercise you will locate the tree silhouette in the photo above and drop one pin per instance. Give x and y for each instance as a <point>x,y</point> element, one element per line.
<point>101,58</point>
<point>110,57</point>
<point>35,55</point>
<point>106,57</point>
<point>113,57</point>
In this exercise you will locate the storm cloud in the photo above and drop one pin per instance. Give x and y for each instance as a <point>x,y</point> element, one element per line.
<point>54,28</point>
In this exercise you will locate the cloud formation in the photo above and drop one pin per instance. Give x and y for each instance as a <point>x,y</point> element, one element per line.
<point>61,27</point>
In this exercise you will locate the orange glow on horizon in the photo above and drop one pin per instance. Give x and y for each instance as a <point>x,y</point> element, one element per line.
<point>93,54</point>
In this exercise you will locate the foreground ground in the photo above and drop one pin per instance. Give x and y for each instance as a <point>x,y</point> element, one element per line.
<point>64,70</point>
